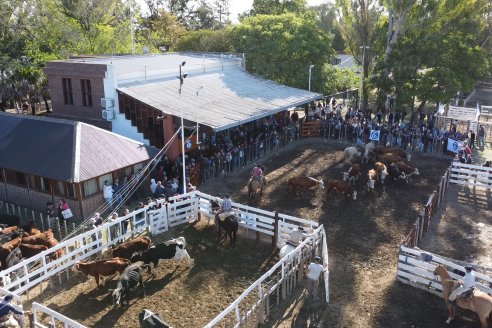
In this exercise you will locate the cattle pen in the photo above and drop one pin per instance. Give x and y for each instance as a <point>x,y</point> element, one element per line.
<point>251,308</point>
<point>416,265</point>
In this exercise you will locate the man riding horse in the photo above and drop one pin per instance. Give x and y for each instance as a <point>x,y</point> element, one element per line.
<point>257,174</point>
<point>225,208</point>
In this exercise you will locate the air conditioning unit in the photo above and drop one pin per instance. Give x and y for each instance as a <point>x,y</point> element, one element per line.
<point>108,114</point>
<point>107,102</point>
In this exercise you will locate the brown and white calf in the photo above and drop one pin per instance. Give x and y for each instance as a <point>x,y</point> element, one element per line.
<point>341,187</point>
<point>409,170</point>
<point>381,171</point>
<point>352,175</point>
<point>372,175</point>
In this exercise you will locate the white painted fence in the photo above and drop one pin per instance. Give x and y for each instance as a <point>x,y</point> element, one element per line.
<point>181,209</point>
<point>44,317</point>
<point>16,302</point>
<point>414,271</point>
<point>253,305</point>
<point>471,175</point>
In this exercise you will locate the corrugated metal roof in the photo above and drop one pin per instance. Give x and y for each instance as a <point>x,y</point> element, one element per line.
<point>65,150</point>
<point>229,97</point>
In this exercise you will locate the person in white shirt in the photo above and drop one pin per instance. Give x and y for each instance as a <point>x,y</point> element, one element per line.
<point>314,272</point>
<point>297,235</point>
<point>108,193</point>
<point>467,284</point>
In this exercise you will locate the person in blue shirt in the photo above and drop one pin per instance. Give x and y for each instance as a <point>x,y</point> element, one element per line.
<point>7,320</point>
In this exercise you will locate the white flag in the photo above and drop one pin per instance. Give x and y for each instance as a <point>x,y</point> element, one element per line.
<point>374,135</point>
<point>454,145</point>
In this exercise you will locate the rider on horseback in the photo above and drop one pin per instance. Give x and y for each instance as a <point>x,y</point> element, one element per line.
<point>225,208</point>
<point>467,284</point>
<point>257,174</point>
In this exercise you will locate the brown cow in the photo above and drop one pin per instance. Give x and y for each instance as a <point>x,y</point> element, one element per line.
<point>342,187</point>
<point>8,230</point>
<point>47,239</point>
<point>381,171</point>
<point>304,183</point>
<point>392,150</point>
<point>387,159</point>
<point>127,249</point>
<point>30,229</point>
<point>105,267</point>
<point>409,170</point>
<point>39,239</point>
<point>28,250</point>
<point>372,175</point>
<point>7,248</point>
<point>352,175</point>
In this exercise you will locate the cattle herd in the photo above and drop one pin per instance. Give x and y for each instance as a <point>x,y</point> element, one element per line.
<point>389,165</point>
<point>125,259</point>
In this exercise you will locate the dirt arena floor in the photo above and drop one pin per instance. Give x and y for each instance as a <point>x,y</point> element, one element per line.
<point>363,240</point>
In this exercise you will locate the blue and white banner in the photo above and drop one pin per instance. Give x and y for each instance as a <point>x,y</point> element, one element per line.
<point>374,135</point>
<point>454,145</point>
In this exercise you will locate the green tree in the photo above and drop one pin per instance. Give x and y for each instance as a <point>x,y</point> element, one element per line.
<point>205,41</point>
<point>282,47</point>
<point>326,15</point>
<point>337,79</point>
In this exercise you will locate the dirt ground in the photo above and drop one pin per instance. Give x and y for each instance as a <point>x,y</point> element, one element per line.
<point>363,239</point>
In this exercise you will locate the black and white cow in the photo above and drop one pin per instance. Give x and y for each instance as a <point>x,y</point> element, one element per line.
<point>395,173</point>
<point>149,319</point>
<point>129,279</point>
<point>174,249</point>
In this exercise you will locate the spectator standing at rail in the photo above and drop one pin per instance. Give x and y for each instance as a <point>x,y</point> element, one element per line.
<point>117,191</point>
<point>472,139</point>
<point>314,272</point>
<point>50,214</point>
<point>108,193</point>
<point>481,137</point>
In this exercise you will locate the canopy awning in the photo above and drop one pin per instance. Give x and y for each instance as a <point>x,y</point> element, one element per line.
<point>228,98</point>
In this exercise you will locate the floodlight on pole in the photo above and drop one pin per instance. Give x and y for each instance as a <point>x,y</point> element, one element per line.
<point>310,68</point>
<point>198,114</point>
<point>181,78</point>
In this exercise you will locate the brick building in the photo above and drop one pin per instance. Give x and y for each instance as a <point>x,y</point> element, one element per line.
<point>46,159</point>
<point>137,96</point>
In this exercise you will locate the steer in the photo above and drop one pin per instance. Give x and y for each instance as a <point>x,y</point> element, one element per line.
<point>381,171</point>
<point>7,248</point>
<point>149,319</point>
<point>342,187</point>
<point>105,267</point>
<point>47,239</point>
<point>371,179</point>
<point>409,170</point>
<point>387,159</point>
<point>28,250</point>
<point>172,249</point>
<point>130,278</point>
<point>304,183</point>
<point>352,175</point>
<point>391,150</point>
<point>127,249</point>
<point>395,173</point>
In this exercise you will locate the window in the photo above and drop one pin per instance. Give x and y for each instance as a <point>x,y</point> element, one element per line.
<point>336,61</point>
<point>1,175</point>
<point>90,187</point>
<point>70,191</point>
<point>85,86</point>
<point>20,178</point>
<point>60,189</point>
<point>67,91</point>
<point>45,185</point>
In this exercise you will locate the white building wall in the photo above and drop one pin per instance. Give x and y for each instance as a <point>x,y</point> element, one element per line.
<point>120,124</point>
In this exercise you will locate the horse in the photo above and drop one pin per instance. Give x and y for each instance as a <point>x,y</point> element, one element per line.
<point>480,302</point>
<point>230,225</point>
<point>350,152</point>
<point>254,186</point>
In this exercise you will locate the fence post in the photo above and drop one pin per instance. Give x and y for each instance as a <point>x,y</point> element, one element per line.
<point>275,231</point>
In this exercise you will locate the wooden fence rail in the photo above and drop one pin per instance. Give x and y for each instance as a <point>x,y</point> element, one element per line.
<point>423,221</point>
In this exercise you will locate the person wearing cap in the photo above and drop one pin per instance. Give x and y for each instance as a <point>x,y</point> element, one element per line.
<point>257,174</point>
<point>314,272</point>
<point>225,208</point>
<point>467,284</point>
<point>7,320</point>
<point>297,235</point>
